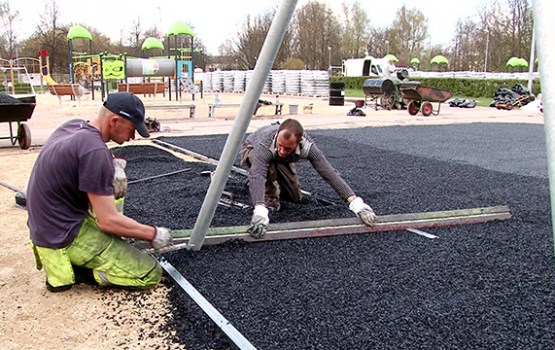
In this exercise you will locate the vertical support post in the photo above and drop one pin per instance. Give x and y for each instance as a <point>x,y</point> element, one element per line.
<point>542,10</point>
<point>266,59</point>
<point>532,58</point>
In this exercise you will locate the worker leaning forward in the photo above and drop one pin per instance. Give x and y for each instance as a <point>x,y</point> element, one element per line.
<point>270,153</point>
<point>75,227</point>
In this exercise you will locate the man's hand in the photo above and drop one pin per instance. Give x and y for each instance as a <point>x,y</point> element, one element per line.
<point>259,221</point>
<point>162,239</point>
<point>363,211</point>
<point>120,179</point>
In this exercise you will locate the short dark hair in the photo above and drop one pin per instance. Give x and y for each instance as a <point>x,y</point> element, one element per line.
<point>293,127</point>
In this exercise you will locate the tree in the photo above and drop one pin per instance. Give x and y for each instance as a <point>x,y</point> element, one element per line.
<point>136,38</point>
<point>407,33</point>
<point>251,38</point>
<point>8,41</point>
<point>464,54</point>
<point>356,32</point>
<point>52,37</point>
<point>316,29</point>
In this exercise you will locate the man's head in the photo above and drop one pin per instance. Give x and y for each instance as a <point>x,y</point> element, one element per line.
<point>129,107</point>
<point>289,135</point>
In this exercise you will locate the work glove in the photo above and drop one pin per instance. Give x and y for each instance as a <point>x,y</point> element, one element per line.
<point>120,179</point>
<point>259,221</point>
<point>363,211</point>
<point>162,239</point>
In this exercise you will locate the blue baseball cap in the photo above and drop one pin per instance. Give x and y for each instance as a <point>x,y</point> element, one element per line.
<point>128,106</point>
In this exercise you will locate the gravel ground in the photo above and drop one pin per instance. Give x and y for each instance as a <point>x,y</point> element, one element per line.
<point>485,286</point>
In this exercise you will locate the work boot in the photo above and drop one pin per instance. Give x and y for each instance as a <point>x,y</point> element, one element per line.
<point>84,275</point>
<point>57,289</point>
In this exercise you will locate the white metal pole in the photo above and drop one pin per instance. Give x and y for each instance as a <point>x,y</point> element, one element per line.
<point>487,49</point>
<point>264,63</point>
<point>532,59</point>
<point>545,25</point>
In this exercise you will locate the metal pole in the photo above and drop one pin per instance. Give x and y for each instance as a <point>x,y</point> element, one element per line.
<point>532,58</point>
<point>236,337</point>
<point>542,10</point>
<point>266,59</point>
<point>487,49</point>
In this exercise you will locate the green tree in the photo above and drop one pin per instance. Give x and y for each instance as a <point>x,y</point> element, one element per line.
<point>316,32</point>
<point>408,33</point>
<point>356,31</point>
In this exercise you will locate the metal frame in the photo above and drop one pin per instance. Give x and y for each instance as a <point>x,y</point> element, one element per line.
<point>334,227</point>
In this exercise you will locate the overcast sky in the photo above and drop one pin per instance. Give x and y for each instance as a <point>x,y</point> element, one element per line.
<point>217,20</point>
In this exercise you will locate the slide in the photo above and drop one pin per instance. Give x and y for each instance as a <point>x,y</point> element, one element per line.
<point>48,79</point>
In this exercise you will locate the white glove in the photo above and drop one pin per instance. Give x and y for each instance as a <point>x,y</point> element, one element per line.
<point>363,211</point>
<point>259,221</point>
<point>162,239</point>
<point>120,179</point>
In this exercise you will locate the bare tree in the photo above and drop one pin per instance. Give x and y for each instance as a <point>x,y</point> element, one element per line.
<point>9,40</point>
<point>53,37</point>
<point>519,19</point>
<point>250,40</point>
<point>136,37</point>
<point>465,54</point>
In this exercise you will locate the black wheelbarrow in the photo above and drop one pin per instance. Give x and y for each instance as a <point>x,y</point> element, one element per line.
<point>18,112</point>
<point>421,97</point>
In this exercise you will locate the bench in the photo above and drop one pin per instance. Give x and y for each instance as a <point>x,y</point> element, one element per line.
<point>212,107</point>
<point>143,88</point>
<point>73,90</point>
<point>192,108</point>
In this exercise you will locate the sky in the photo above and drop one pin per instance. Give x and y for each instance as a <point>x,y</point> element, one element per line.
<point>214,21</point>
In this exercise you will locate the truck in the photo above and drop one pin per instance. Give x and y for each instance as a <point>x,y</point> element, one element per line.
<point>363,67</point>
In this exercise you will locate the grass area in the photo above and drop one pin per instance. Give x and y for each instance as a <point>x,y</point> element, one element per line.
<point>480,101</point>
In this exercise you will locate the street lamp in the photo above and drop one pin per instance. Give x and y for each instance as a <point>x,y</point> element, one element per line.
<point>329,59</point>
<point>487,48</point>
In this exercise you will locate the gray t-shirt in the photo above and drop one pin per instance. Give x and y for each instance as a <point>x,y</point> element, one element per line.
<point>73,162</point>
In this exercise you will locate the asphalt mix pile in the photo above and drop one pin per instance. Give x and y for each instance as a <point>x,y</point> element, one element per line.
<point>489,286</point>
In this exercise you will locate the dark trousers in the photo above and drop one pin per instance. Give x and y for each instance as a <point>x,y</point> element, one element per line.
<point>282,182</point>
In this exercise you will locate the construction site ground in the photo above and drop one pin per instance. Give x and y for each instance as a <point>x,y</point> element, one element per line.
<point>87,317</point>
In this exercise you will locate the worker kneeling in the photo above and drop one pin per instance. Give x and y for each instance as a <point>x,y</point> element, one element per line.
<point>270,153</point>
<point>73,196</point>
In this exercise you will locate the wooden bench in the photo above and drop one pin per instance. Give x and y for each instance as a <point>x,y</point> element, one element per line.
<point>73,90</point>
<point>151,88</point>
<point>143,88</point>
<point>212,107</point>
<point>192,108</point>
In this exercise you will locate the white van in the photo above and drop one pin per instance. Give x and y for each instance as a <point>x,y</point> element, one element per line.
<point>363,67</point>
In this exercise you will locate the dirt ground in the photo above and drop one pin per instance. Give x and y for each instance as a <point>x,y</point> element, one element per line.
<point>86,317</point>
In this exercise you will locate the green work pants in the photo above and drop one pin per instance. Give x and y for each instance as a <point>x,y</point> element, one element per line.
<point>112,260</point>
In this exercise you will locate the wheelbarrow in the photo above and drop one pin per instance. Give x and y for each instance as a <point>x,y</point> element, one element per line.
<point>18,113</point>
<point>421,97</point>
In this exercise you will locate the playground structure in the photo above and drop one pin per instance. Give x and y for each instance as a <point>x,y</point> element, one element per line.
<point>15,77</point>
<point>157,74</point>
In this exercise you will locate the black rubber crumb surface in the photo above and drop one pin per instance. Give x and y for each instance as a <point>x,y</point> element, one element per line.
<point>485,286</point>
